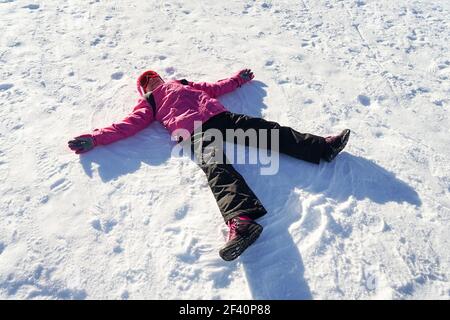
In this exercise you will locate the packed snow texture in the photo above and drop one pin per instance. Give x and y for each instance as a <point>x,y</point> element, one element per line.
<point>130,221</point>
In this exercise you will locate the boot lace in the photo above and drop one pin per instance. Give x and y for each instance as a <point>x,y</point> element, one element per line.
<point>232,224</point>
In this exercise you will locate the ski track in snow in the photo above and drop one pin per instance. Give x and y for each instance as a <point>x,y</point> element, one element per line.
<point>129,221</point>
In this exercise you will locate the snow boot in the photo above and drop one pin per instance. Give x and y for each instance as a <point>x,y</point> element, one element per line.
<point>243,232</point>
<point>335,144</point>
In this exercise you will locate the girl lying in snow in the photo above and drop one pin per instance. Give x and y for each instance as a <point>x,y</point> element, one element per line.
<point>177,104</point>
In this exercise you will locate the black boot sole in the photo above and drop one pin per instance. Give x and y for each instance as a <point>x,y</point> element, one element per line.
<point>236,248</point>
<point>345,136</point>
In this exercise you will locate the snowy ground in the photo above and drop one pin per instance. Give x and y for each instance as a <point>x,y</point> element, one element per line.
<point>130,221</point>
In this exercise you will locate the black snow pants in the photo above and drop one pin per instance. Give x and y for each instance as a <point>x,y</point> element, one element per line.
<point>234,197</point>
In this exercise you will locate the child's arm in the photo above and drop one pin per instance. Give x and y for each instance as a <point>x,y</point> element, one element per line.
<point>224,86</point>
<point>139,119</point>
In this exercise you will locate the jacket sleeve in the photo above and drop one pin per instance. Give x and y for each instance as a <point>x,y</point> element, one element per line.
<point>139,119</point>
<point>216,89</point>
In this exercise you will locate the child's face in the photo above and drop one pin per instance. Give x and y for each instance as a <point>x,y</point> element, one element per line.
<point>153,83</point>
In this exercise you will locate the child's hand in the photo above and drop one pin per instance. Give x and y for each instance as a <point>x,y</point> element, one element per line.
<point>82,144</point>
<point>246,75</point>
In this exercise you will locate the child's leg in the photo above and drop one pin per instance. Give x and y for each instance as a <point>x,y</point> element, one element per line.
<point>233,196</point>
<point>302,146</point>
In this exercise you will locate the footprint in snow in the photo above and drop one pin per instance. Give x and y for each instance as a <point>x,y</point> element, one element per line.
<point>60,185</point>
<point>125,295</point>
<point>118,249</point>
<point>170,70</point>
<point>105,226</point>
<point>97,40</point>
<point>180,213</point>
<point>117,75</point>
<point>364,100</point>
<point>32,6</point>
<point>438,102</point>
<point>6,86</point>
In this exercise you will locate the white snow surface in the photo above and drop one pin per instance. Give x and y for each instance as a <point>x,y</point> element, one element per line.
<point>130,221</point>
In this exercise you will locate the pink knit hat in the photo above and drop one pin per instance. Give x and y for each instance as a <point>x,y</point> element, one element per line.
<point>144,78</point>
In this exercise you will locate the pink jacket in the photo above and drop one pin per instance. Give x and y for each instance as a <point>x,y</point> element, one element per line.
<point>177,107</point>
